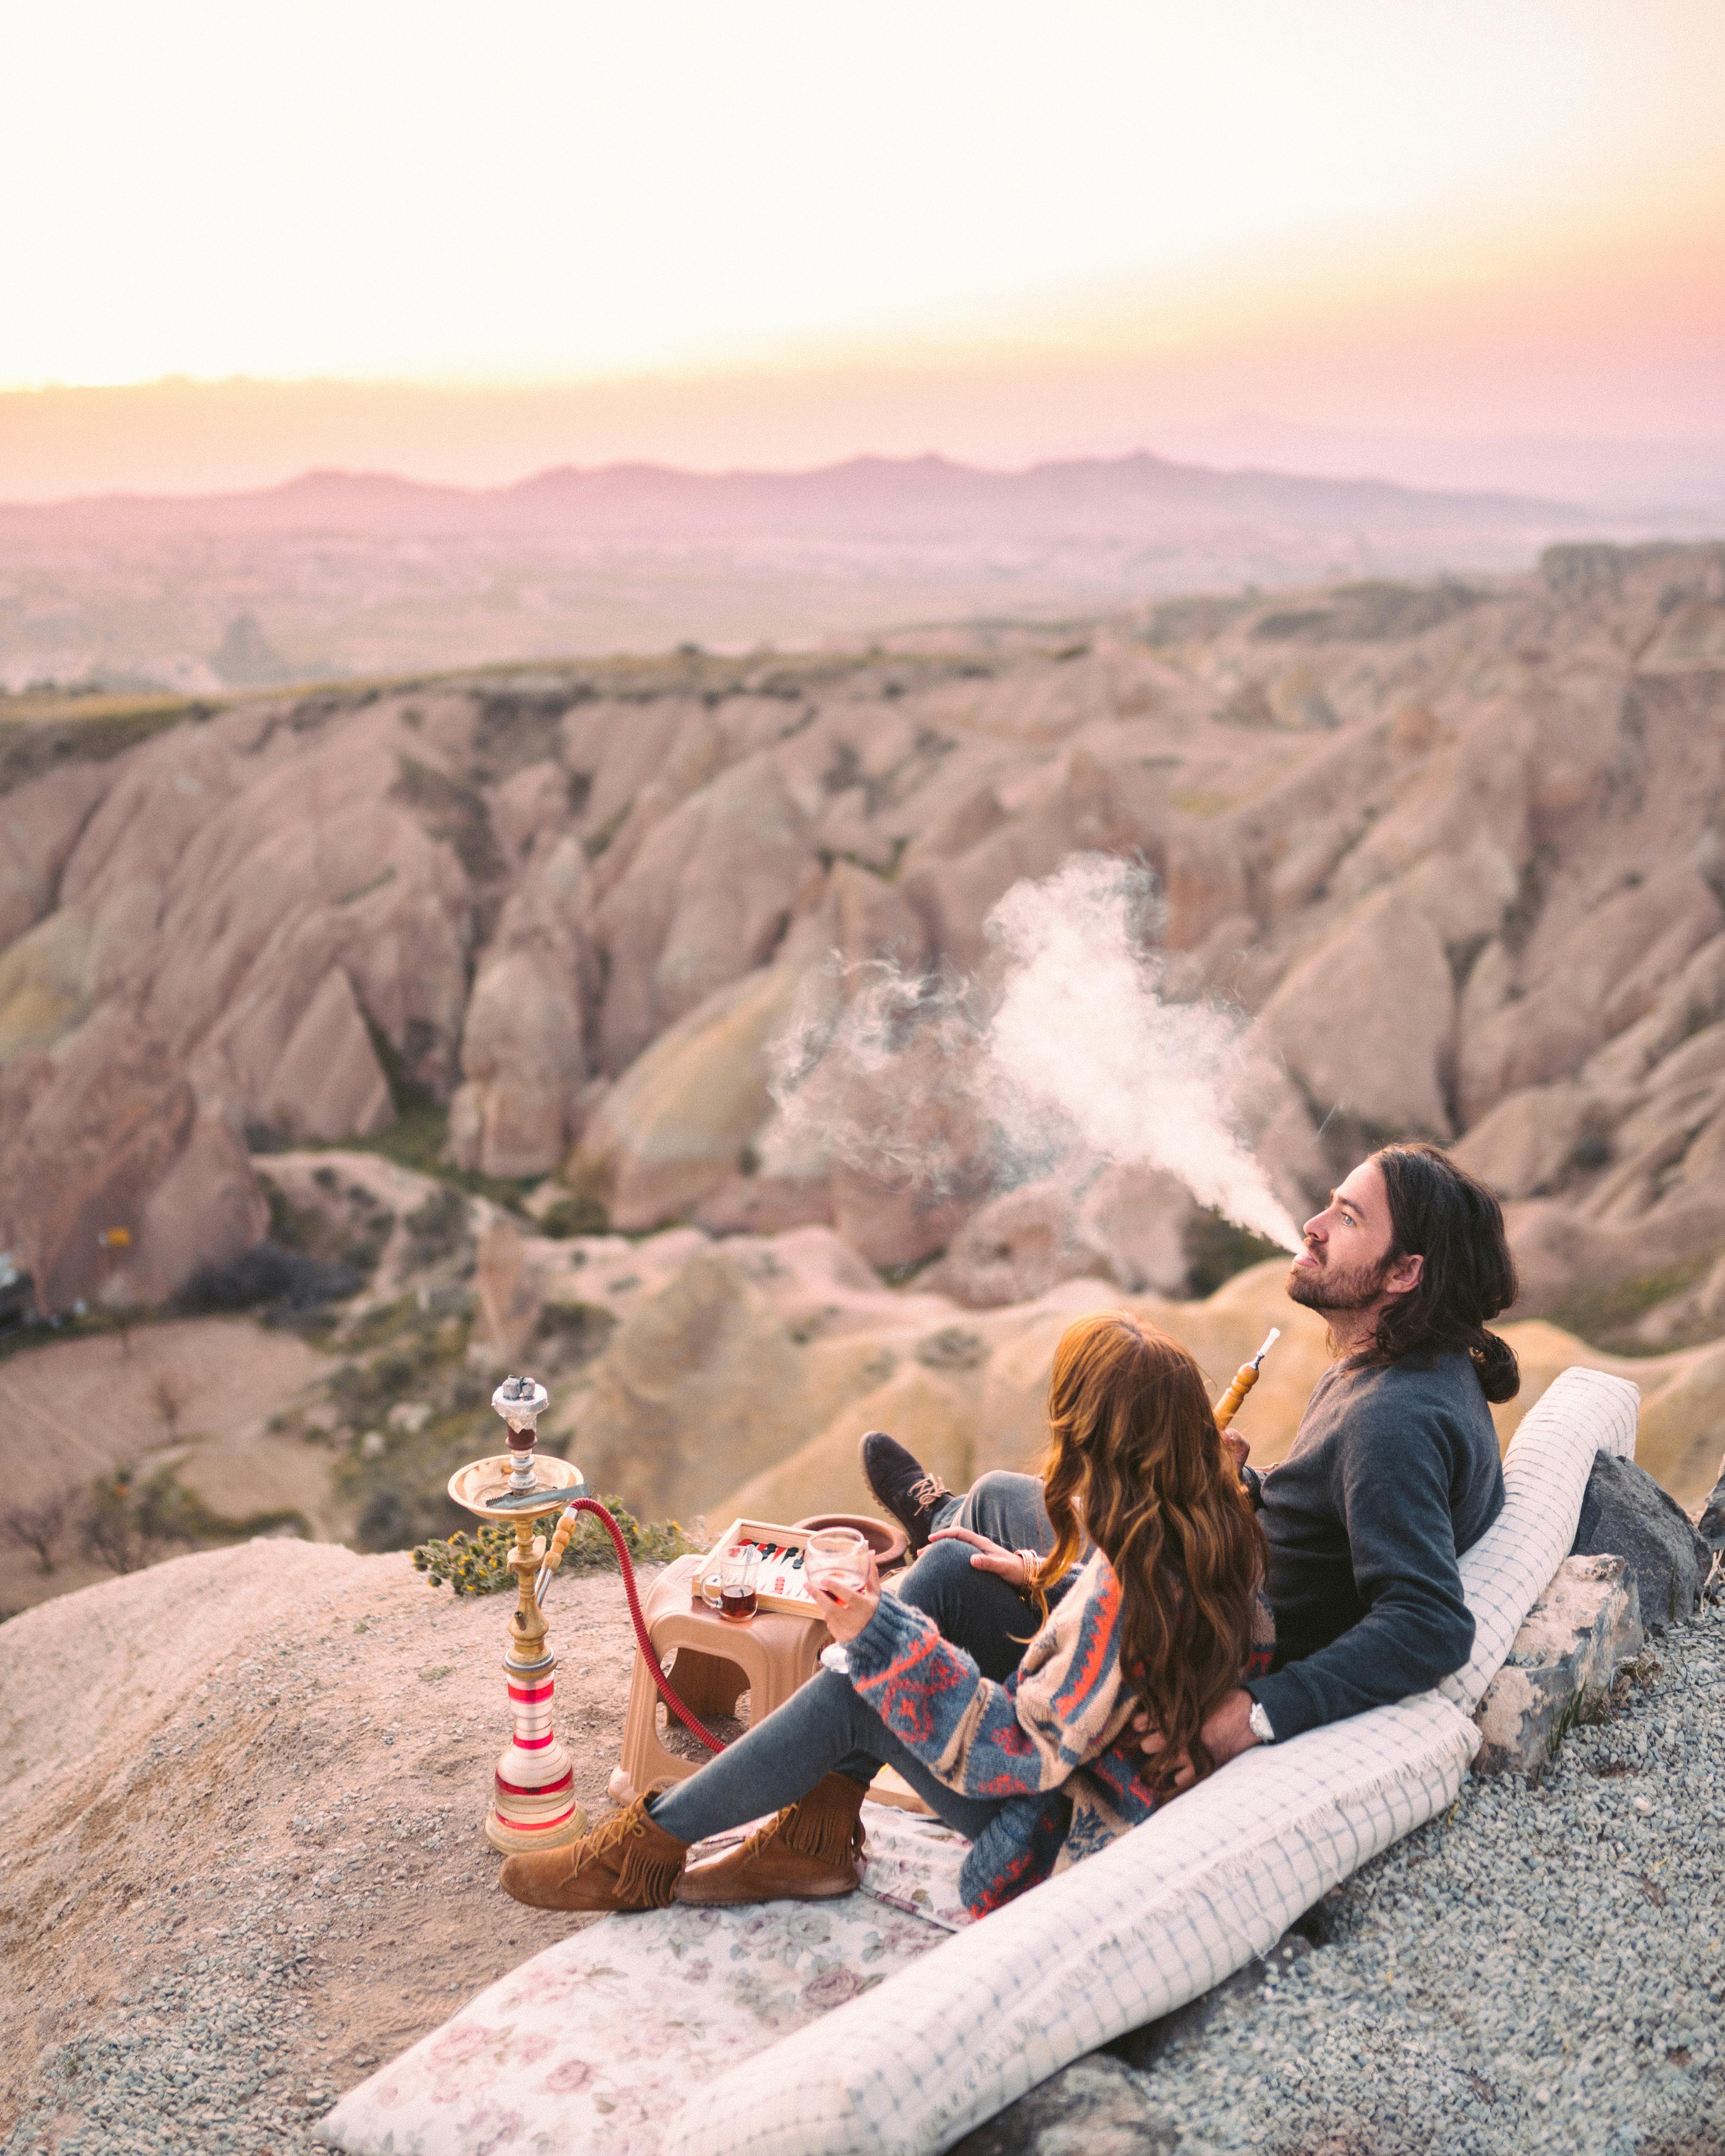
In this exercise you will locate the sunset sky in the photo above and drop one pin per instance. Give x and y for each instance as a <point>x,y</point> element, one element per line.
<point>774,233</point>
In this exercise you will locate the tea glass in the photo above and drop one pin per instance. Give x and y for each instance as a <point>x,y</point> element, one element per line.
<point>739,1580</point>
<point>836,1557</point>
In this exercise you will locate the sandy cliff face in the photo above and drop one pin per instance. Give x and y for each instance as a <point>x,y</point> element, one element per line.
<point>1454,849</point>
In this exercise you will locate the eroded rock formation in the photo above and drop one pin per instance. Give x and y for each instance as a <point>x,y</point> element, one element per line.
<point>1455,852</point>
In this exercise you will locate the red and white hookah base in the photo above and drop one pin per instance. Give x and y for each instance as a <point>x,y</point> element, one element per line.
<point>533,1801</point>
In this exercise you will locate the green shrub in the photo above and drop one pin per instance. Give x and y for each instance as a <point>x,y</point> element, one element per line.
<point>584,1214</point>
<point>478,1564</point>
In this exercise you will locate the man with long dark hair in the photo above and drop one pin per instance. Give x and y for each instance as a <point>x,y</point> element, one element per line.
<point>1394,1470</point>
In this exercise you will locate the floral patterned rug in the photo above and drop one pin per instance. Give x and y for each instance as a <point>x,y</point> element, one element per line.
<point>592,2047</point>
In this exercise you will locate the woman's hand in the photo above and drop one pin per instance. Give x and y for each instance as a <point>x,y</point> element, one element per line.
<point>848,1609</point>
<point>1006,1565</point>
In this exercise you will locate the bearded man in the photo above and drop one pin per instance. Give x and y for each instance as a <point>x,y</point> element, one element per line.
<point>1394,1473</point>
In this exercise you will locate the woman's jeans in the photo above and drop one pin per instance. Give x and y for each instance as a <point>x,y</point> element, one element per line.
<point>824,1728</point>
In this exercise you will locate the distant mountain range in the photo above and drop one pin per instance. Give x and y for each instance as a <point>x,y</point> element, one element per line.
<point>1139,496</point>
<point>342,573</point>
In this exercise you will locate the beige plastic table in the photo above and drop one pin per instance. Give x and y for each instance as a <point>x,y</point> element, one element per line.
<point>768,1655</point>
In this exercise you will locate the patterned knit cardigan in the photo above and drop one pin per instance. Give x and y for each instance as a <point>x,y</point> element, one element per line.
<point>1054,1742</point>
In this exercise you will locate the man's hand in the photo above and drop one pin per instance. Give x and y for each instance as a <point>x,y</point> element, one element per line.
<point>1006,1565</point>
<point>847,1609</point>
<point>1226,1733</point>
<point>1237,1450</point>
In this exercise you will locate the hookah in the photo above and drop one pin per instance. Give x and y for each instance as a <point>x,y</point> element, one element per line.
<point>533,1801</point>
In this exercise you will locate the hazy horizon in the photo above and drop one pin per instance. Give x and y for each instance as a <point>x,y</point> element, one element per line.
<point>1470,247</point>
<point>182,439</point>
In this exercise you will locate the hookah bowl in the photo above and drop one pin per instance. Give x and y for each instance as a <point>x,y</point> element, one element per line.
<point>533,1799</point>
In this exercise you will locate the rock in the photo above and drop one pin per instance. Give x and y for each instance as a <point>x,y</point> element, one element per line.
<point>670,1132</point>
<point>514,884</point>
<point>1016,1248</point>
<point>644,762</point>
<point>1624,1513</point>
<point>708,898</point>
<point>109,1134</point>
<point>39,825</point>
<point>1710,1526</point>
<point>1459,828</point>
<point>510,1293</point>
<point>1126,1227</point>
<point>894,1224</point>
<point>761,1204</point>
<point>1079,805</point>
<point>45,984</point>
<point>698,1389</point>
<point>1525,1146</point>
<point>872,920</point>
<point>206,1210</point>
<point>328,1083</point>
<point>1584,1626</point>
<point>230,867</point>
<point>932,1410</point>
<point>1552,1030</point>
<point>1384,1065</point>
<point>1095,2106</point>
<point>1137,1217</point>
<point>522,1051</point>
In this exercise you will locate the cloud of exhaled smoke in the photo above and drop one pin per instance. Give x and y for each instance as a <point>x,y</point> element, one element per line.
<point>1065,1053</point>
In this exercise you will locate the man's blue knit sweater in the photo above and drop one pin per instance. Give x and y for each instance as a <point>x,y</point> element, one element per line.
<point>1394,1473</point>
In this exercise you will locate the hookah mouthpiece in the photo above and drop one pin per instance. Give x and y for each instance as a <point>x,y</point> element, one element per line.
<point>567,1521</point>
<point>1245,1377</point>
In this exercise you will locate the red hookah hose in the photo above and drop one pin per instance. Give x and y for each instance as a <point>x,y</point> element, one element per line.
<point>666,1691</point>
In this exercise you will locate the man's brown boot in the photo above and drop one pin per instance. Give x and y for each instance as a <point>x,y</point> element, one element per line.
<point>808,1852</point>
<point>625,1863</point>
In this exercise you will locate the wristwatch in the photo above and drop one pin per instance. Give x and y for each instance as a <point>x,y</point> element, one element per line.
<point>1258,1722</point>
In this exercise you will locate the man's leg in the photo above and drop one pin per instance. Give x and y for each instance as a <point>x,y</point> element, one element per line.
<point>976,1610</point>
<point>821,1729</point>
<point>1007,1509</point>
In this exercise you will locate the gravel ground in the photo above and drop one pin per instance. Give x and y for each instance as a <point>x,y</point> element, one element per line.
<point>1539,1970</point>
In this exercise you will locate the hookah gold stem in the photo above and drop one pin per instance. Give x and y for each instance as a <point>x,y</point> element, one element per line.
<point>1245,1377</point>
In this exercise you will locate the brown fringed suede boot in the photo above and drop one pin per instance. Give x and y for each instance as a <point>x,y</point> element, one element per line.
<point>808,1852</point>
<point>626,1863</point>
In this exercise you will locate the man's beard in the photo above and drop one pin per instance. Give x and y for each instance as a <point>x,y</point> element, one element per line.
<point>1345,1287</point>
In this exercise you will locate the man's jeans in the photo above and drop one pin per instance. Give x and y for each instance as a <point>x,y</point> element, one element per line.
<point>824,1728</point>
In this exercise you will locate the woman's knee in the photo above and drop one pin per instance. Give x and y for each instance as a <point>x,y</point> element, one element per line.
<point>943,1570</point>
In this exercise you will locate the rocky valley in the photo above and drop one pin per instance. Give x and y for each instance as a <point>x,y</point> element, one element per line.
<point>433,1024</point>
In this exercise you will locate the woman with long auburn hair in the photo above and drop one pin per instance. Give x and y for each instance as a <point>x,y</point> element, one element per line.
<point>1136,1464</point>
<point>1149,1606</point>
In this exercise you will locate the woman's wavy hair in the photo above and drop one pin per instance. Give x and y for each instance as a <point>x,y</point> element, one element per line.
<point>1439,1213</point>
<point>1135,1461</point>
